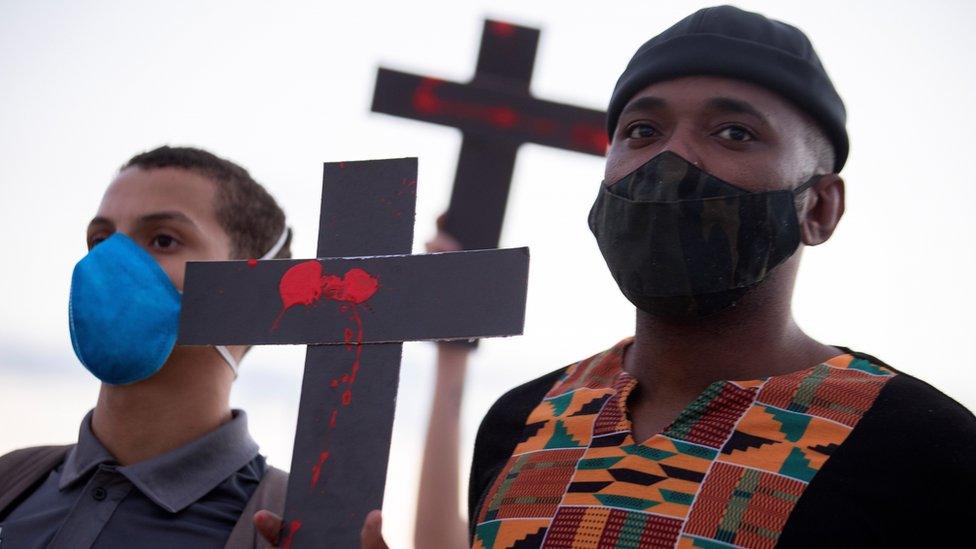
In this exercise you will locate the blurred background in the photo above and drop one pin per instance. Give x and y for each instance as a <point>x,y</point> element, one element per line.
<point>282,87</point>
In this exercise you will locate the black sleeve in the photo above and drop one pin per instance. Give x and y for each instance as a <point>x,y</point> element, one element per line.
<point>499,434</point>
<point>905,477</point>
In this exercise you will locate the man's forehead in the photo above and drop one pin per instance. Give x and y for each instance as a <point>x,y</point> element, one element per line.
<point>716,92</point>
<point>136,193</point>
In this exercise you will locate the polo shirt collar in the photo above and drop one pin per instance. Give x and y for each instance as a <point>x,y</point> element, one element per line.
<point>178,478</point>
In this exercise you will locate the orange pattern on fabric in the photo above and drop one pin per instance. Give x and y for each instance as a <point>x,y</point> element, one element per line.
<point>730,468</point>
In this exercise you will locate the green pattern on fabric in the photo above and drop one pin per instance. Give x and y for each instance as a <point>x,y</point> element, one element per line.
<point>808,388</point>
<point>647,452</point>
<point>695,450</point>
<point>704,543</point>
<point>631,530</point>
<point>560,403</point>
<point>688,417</point>
<point>798,466</point>
<point>792,424</point>
<point>674,496</point>
<point>598,463</point>
<point>487,532</point>
<point>867,367</point>
<point>510,478</point>
<point>737,505</point>
<point>626,502</point>
<point>561,438</point>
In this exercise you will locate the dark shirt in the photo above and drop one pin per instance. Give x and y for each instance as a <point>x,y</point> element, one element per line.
<point>189,497</point>
<point>850,453</point>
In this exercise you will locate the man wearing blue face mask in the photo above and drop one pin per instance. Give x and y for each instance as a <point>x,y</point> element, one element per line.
<point>162,460</point>
<point>721,423</point>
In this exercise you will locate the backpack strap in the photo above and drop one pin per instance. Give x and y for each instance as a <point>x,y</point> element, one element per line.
<point>23,469</point>
<point>269,496</point>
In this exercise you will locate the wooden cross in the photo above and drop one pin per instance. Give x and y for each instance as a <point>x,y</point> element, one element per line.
<point>496,113</point>
<point>352,310</point>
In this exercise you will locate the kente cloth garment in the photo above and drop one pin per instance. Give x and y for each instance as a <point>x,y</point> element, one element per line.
<point>846,452</point>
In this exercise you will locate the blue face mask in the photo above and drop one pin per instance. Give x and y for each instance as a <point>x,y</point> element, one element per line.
<point>123,312</point>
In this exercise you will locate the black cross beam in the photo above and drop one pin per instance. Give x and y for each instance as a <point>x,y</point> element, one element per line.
<point>496,113</point>
<point>352,310</point>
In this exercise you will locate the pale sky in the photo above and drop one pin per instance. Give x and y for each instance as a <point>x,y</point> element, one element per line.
<point>282,87</point>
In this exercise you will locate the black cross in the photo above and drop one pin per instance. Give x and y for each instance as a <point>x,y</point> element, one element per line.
<point>496,113</point>
<point>353,311</point>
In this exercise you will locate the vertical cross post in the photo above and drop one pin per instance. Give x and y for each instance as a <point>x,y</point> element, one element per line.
<point>353,310</point>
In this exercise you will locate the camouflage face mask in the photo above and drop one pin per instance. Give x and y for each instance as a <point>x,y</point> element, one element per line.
<point>683,243</point>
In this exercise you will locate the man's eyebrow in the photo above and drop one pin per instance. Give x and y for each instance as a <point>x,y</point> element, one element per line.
<point>166,216</point>
<point>645,103</point>
<point>100,221</point>
<point>736,106</point>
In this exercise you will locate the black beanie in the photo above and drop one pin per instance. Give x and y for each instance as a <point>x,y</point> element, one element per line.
<point>727,41</point>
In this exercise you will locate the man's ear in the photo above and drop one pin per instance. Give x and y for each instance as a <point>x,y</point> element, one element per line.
<point>823,209</point>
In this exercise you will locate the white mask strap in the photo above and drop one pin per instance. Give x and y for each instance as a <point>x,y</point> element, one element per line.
<point>277,245</point>
<point>224,352</point>
<point>228,358</point>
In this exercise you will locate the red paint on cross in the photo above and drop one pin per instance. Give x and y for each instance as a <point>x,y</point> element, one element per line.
<point>317,468</point>
<point>499,28</point>
<point>424,98</point>
<point>590,137</point>
<point>305,284</point>
<point>293,527</point>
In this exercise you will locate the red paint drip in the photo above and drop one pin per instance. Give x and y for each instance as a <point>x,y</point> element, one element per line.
<point>317,468</point>
<point>293,527</point>
<point>305,284</point>
<point>252,262</point>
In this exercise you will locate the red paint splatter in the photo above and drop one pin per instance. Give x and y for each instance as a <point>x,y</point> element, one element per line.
<point>305,284</point>
<point>332,419</point>
<point>502,117</point>
<point>542,126</point>
<point>293,527</point>
<point>591,137</point>
<point>252,262</point>
<point>426,101</point>
<point>346,397</point>
<point>424,98</point>
<point>317,468</point>
<point>499,28</point>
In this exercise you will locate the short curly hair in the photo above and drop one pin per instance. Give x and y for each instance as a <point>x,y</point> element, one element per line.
<point>244,209</point>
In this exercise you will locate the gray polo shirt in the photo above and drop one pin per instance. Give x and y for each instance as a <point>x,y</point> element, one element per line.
<point>189,497</point>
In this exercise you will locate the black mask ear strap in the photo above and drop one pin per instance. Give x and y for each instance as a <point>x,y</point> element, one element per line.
<point>809,183</point>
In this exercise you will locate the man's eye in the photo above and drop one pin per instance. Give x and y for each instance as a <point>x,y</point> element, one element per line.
<point>163,242</point>
<point>736,133</point>
<point>96,240</point>
<point>641,131</point>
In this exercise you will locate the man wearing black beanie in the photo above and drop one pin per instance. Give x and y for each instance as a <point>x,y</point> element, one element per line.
<point>721,423</point>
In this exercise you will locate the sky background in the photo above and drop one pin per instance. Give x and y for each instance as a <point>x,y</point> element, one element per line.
<point>282,87</point>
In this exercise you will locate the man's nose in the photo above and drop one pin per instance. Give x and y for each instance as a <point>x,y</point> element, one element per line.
<point>682,143</point>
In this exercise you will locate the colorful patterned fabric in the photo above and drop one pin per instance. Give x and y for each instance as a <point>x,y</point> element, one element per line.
<point>727,472</point>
